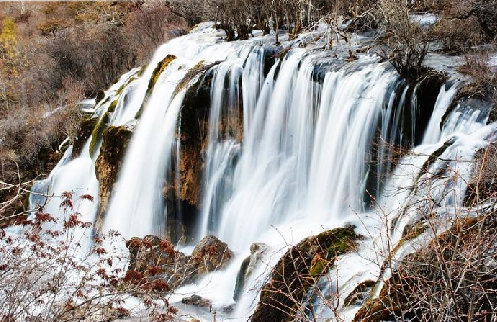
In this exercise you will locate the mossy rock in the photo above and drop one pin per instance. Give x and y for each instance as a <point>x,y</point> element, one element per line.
<point>113,106</point>
<point>159,69</point>
<point>299,269</point>
<point>161,66</point>
<point>85,130</point>
<point>96,134</point>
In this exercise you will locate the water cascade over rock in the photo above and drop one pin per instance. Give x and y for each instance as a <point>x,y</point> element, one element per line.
<point>254,143</point>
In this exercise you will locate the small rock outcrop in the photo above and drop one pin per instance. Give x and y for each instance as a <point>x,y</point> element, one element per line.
<point>257,251</point>
<point>209,255</point>
<point>196,300</point>
<point>299,269</point>
<point>483,184</point>
<point>156,258</point>
<point>85,129</point>
<point>112,152</point>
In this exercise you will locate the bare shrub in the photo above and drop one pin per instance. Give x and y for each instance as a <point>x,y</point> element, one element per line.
<point>149,26</point>
<point>403,42</point>
<point>450,273</point>
<point>453,278</point>
<point>484,79</point>
<point>48,274</point>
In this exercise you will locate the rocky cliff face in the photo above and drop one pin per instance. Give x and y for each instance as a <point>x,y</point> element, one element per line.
<point>184,194</point>
<point>112,152</point>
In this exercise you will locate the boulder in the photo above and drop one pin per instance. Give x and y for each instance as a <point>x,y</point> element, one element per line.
<point>156,258</point>
<point>196,300</point>
<point>209,255</point>
<point>299,269</point>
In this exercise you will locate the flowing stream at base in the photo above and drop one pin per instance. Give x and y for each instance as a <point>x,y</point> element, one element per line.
<point>297,144</point>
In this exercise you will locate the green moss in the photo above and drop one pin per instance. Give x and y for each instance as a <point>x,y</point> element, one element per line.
<point>129,81</point>
<point>337,241</point>
<point>330,244</point>
<point>112,106</point>
<point>96,135</point>
<point>158,71</point>
<point>153,80</point>
<point>318,267</point>
<point>197,69</point>
<point>141,71</point>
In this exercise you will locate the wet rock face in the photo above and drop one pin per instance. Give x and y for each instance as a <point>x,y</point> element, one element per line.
<point>156,258</point>
<point>425,92</point>
<point>193,129</point>
<point>183,186</point>
<point>299,269</point>
<point>112,152</point>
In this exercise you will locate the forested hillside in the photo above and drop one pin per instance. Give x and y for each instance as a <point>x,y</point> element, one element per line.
<point>52,56</point>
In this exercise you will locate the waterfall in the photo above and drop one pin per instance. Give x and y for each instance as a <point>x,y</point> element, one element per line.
<point>298,141</point>
<point>292,163</point>
<point>136,207</point>
<point>444,99</point>
<point>76,174</point>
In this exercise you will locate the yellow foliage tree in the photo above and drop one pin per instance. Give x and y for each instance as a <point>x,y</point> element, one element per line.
<point>9,49</point>
<point>12,62</point>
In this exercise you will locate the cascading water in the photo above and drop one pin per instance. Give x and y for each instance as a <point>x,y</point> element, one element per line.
<point>289,159</point>
<point>296,144</point>
<point>75,175</point>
